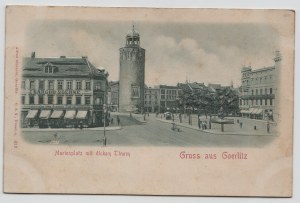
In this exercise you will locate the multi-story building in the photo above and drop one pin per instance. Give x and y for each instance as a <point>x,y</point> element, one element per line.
<point>168,97</point>
<point>152,99</point>
<point>259,92</point>
<point>113,95</point>
<point>62,92</point>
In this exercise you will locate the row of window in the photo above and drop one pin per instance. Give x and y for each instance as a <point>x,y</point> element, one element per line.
<point>163,91</point>
<point>149,102</point>
<point>60,85</point>
<point>171,97</point>
<point>149,92</point>
<point>257,73</point>
<point>260,92</point>
<point>59,100</point>
<point>256,102</point>
<point>257,80</point>
<point>149,96</point>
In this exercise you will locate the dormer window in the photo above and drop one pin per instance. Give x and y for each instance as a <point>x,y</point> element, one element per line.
<point>49,68</point>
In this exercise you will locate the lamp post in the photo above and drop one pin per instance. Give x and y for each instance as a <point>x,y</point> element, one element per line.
<point>104,116</point>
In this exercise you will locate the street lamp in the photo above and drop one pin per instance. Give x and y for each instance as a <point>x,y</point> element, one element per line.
<point>104,116</point>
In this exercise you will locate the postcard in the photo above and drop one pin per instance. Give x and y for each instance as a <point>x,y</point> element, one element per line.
<point>149,101</point>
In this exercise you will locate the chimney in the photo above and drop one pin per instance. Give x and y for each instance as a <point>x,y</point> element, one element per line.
<point>84,57</point>
<point>33,54</point>
<point>62,57</point>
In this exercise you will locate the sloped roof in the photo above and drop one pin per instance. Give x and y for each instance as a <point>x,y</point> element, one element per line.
<point>65,67</point>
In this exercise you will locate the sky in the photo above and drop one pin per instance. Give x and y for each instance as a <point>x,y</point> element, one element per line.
<point>175,52</point>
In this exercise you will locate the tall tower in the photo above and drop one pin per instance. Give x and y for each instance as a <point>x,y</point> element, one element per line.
<point>132,73</point>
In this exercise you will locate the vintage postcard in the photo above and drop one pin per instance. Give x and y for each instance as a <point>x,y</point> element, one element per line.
<point>146,101</point>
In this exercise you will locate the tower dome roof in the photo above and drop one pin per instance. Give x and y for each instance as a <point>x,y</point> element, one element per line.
<point>133,32</point>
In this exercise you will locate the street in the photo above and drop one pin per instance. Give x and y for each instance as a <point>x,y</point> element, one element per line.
<point>152,132</point>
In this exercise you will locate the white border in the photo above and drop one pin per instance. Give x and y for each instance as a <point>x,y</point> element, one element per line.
<point>250,4</point>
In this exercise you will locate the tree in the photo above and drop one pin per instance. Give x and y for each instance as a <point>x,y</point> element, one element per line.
<point>210,102</point>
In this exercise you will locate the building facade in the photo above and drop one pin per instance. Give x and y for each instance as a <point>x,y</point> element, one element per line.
<point>113,96</point>
<point>259,93</point>
<point>152,99</point>
<point>62,92</point>
<point>132,74</point>
<point>168,98</point>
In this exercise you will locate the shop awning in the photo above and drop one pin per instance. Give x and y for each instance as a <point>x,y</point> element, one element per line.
<point>243,111</point>
<point>56,114</point>
<point>45,114</point>
<point>251,110</point>
<point>32,114</point>
<point>254,111</point>
<point>81,114</point>
<point>259,111</point>
<point>70,114</point>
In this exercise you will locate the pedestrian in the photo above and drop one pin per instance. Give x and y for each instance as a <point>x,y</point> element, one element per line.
<point>180,118</point>
<point>241,124</point>
<point>144,116</point>
<point>112,121</point>
<point>118,120</point>
<point>254,127</point>
<point>55,136</point>
<point>148,114</point>
<point>238,121</point>
<point>268,127</point>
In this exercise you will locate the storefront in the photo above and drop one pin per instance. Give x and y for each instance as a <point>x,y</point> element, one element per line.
<point>62,93</point>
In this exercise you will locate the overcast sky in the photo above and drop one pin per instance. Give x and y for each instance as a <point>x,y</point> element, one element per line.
<point>199,52</point>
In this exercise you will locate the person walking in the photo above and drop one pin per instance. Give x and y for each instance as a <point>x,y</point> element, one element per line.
<point>118,120</point>
<point>55,136</point>
<point>180,118</point>
<point>268,127</point>
<point>241,124</point>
